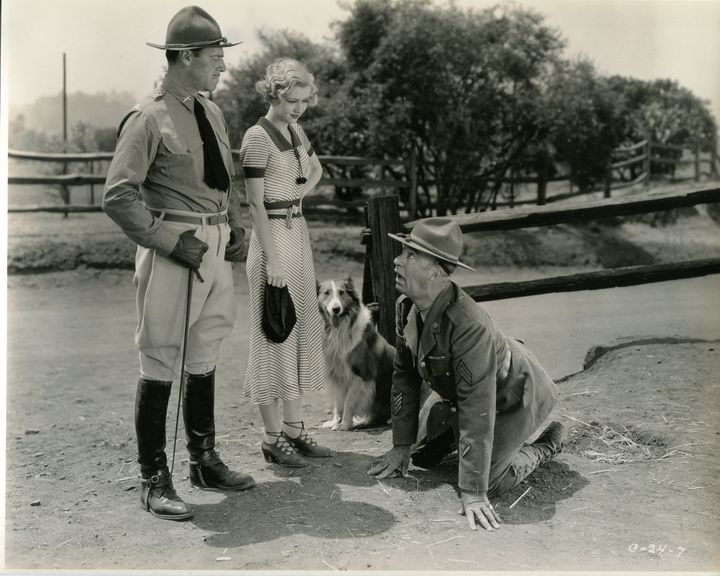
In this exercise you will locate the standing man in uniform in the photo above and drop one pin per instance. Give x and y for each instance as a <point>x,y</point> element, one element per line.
<point>169,189</point>
<point>490,394</point>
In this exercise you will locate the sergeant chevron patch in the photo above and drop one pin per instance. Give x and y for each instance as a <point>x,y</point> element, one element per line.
<point>463,374</point>
<point>397,401</point>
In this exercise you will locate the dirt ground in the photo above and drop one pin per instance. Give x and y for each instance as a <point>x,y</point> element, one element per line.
<point>636,488</point>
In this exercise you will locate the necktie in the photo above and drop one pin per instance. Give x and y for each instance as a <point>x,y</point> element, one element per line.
<point>216,175</point>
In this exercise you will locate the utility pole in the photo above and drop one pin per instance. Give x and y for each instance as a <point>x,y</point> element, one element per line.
<point>65,191</point>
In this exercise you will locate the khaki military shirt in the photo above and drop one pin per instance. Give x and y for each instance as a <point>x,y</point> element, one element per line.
<point>158,164</point>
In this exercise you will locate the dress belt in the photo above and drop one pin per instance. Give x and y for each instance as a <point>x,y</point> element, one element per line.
<point>281,204</point>
<point>208,219</point>
<point>292,208</point>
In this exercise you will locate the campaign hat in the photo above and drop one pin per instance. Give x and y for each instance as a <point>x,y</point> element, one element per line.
<point>439,237</point>
<point>192,27</point>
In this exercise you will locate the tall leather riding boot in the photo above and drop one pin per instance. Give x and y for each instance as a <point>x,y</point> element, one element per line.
<point>207,470</point>
<point>157,494</point>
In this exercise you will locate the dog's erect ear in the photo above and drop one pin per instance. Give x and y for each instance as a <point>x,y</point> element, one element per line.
<point>349,284</point>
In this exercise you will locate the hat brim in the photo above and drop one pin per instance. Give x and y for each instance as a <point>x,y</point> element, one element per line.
<point>415,246</point>
<point>179,47</point>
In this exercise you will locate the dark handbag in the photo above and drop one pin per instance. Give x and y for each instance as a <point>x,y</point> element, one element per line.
<point>278,313</point>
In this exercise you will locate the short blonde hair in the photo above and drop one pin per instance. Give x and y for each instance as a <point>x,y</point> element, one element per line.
<point>282,76</point>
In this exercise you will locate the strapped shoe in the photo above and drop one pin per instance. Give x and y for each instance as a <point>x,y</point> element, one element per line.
<point>158,496</point>
<point>282,452</point>
<point>306,445</point>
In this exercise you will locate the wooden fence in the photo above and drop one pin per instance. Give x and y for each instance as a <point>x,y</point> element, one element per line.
<point>383,217</point>
<point>331,164</point>
<point>631,165</point>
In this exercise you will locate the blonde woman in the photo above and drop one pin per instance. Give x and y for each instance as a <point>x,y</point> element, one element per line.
<point>280,168</point>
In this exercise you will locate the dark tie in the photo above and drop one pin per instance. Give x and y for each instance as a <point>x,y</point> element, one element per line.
<point>216,175</point>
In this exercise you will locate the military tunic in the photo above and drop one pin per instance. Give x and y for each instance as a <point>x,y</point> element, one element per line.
<point>499,389</point>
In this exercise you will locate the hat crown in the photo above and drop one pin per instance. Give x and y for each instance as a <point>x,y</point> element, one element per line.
<point>192,25</point>
<point>441,236</point>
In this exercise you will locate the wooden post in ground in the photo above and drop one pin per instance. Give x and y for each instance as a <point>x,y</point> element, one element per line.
<point>646,160</point>
<point>542,179</point>
<point>64,190</point>
<point>608,180</point>
<point>383,217</point>
<point>696,153</point>
<point>412,200</point>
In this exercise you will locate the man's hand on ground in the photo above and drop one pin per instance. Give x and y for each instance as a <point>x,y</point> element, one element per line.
<point>478,510</point>
<point>396,459</point>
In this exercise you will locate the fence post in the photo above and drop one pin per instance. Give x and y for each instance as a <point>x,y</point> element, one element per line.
<point>608,180</point>
<point>412,200</point>
<point>696,152</point>
<point>383,217</point>
<point>91,166</point>
<point>646,160</point>
<point>542,183</point>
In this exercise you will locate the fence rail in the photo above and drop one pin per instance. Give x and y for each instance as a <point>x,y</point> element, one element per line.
<point>404,175</point>
<point>381,250</point>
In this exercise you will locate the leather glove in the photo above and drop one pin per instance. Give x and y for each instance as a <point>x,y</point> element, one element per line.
<point>189,251</point>
<point>235,250</point>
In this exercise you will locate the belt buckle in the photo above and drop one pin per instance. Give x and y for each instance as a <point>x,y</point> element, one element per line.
<point>294,209</point>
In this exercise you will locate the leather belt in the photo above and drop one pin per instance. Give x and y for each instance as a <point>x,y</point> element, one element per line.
<point>208,219</point>
<point>281,204</point>
<point>292,208</point>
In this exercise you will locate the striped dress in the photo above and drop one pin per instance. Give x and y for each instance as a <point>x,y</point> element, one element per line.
<point>287,369</point>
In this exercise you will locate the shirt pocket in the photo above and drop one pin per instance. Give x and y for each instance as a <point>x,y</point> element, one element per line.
<point>441,374</point>
<point>179,158</point>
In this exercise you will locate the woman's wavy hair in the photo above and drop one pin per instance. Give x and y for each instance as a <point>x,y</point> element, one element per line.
<point>282,76</point>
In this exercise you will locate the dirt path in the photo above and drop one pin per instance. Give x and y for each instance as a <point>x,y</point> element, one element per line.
<point>635,489</point>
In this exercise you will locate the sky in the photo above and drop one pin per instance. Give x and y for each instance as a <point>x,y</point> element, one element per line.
<point>104,40</point>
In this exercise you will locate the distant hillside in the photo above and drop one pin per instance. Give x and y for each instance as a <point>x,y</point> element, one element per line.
<point>102,110</point>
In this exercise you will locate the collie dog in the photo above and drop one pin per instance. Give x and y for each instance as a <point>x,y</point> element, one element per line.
<point>358,360</point>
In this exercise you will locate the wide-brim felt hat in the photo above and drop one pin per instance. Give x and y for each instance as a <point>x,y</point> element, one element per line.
<point>190,28</point>
<point>439,237</point>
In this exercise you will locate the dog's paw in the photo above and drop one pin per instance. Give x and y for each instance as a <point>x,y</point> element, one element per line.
<point>331,424</point>
<point>343,426</point>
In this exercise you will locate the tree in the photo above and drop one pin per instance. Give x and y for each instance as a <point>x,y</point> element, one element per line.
<point>241,103</point>
<point>583,121</point>
<point>665,112</point>
<point>459,88</point>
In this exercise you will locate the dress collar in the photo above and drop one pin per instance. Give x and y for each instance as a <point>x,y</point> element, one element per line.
<point>278,138</point>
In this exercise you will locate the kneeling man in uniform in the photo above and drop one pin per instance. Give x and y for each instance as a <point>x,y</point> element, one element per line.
<point>489,392</point>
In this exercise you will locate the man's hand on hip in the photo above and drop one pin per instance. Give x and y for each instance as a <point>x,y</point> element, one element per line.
<point>189,251</point>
